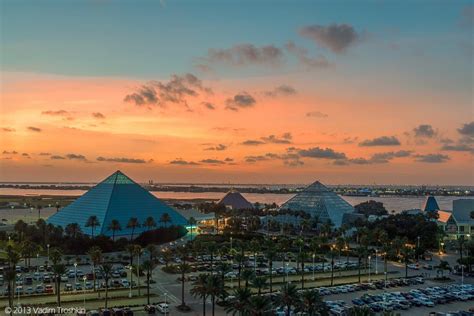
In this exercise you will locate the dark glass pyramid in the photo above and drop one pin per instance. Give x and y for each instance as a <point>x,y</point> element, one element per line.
<point>430,204</point>
<point>321,202</point>
<point>235,201</point>
<point>117,197</point>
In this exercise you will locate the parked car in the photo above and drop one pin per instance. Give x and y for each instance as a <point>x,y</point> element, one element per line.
<point>163,308</point>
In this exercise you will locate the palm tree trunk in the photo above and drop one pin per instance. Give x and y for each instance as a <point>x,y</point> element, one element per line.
<point>204,305</point>
<point>106,292</point>
<point>302,274</point>
<point>271,276</point>
<point>182,287</point>
<point>148,287</point>
<point>213,304</point>
<point>58,289</point>
<point>360,261</point>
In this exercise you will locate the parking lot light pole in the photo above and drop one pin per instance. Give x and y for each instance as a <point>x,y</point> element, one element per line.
<point>75,276</point>
<point>37,260</point>
<point>84,279</point>
<point>287,264</point>
<point>166,304</point>
<point>130,287</point>
<point>369,266</point>
<point>47,262</point>
<point>314,255</point>
<point>376,263</point>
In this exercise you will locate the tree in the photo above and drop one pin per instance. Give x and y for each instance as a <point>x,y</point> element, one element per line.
<point>13,257</point>
<point>192,222</point>
<point>114,226</point>
<point>95,253</point>
<point>247,275</point>
<point>288,297</point>
<point>58,270</point>
<point>214,287</point>
<point>133,224</point>
<point>183,268</point>
<point>211,249</point>
<point>148,267</point>
<point>106,269</point>
<point>240,304</point>
<point>72,230</point>
<point>371,208</point>
<point>406,253</point>
<point>199,290</point>
<point>149,223</point>
<point>20,227</point>
<point>270,254</point>
<point>442,266</point>
<point>259,283</point>
<point>39,208</point>
<point>92,222</point>
<point>312,304</point>
<point>165,219</point>
<point>260,306</point>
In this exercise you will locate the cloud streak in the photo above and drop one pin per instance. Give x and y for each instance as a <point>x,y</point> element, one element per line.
<point>381,141</point>
<point>335,37</point>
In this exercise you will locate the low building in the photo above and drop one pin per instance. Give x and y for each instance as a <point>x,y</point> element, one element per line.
<point>460,223</point>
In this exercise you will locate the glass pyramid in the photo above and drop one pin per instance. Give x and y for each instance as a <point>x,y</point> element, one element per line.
<point>117,197</point>
<point>320,202</point>
<point>430,204</point>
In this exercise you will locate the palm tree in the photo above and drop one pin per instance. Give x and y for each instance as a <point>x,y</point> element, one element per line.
<point>211,249</point>
<point>260,306</point>
<point>92,222</point>
<point>39,208</point>
<point>247,275</point>
<point>132,224</point>
<point>406,253</point>
<point>288,297</point>
<point>312,304</point>
<point>192,222</point>
<point>152,252</point>
<point>72,230</point>
<point>95,253</point>
<point>270,254</point>
<point>199,290</point>
<point>114,226</point>
<point>149,223</point>
<point>148,267</point>
<point>443,265</point>
<point>259,283</point>
<point>20,227</point>
<point>183,268</point>
<point>165,219</point>
<point>106,269</point>
<point>58,270</point>
<point>214,288</point>
<point>13,257</point>
<point>303,256</point>
<point>241,302</point>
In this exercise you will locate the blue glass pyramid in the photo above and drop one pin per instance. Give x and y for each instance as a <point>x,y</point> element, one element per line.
<point>430,204</point>
<point>321,202</point>
<point>120,198</point>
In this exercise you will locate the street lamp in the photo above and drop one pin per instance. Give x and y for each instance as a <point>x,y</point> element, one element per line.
<point>130,287</point>
<point>84,279</point>
<point>369,266</point>
<point>376,264</point>
<point>418,249</point>
<point>37,260</point>
<point>287,264</point>
<point>166,304</point>
<point>47,262</point>
<point>314,255</point>
<point>75,276</point>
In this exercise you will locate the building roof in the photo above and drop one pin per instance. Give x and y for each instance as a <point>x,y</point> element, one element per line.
<point>321,202</point>
<point>462,209</point>
<point>235,201</point>
<point>430,204</point>
<point>117,197</point>
<point>443,216</point>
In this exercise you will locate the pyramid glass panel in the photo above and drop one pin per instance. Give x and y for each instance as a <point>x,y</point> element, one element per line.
<point>320,202</point>
<point>120,198</point>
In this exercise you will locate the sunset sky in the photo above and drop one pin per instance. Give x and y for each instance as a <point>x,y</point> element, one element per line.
<point>355,92</point>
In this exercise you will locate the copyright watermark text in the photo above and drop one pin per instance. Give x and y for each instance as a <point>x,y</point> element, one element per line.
<point>31,310</point>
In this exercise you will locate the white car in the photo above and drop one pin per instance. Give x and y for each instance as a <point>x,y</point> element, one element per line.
<point>163,308</point>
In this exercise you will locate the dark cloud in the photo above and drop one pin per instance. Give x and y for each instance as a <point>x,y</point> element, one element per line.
<point>244,55</point>
<point>213,161</point>
<point>301,55</point>
<point>378,158</point>
<point>253,142</point>
<point>14,152</point>
<point>121,160</point>
<point>290,160</point>
<point>174,91</point>
<point>56,113</point>
<point>34,129</point>
<point>432,158</point>
<point>239,101</point>
<point>56,157</point>
<point>425,131</point>
<point>316,114</point>
<point>45,154</point>
<point>218,147</point>
<point>7,129</point>
<point>323,153</point>
<point>283,139</point>
<point>336,37</point>
<point>26,155</point>
<point>76,157</point>
<point>381,141</point>
<point>98,115</point>
<point>458,147</point>
<point>229,160</point>
<point>283,90</point>
<point>467,129</point>
<point>350,140</point>
<point>209,105</point>
<point>182,162</point>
